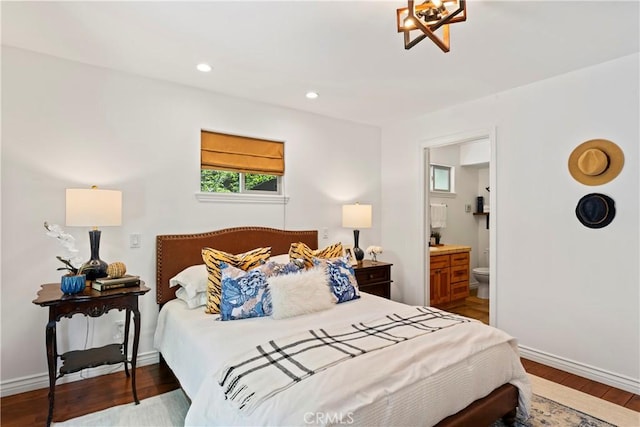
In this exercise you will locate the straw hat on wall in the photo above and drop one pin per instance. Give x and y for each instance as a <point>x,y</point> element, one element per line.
<point>596,162</point>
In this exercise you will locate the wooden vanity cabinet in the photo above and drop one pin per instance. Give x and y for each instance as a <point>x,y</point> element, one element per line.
<point>439,280</point>
<point>449,278</point>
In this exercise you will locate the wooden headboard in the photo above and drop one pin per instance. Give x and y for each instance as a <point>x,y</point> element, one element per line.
<point>175,252</point>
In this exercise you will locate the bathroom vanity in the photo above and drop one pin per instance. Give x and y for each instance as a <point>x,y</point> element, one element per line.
<point>449,274</point>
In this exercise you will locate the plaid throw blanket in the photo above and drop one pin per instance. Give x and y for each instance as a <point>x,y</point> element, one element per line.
<point>277,365</point>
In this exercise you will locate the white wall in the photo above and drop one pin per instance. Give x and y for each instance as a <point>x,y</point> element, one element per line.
<point>461,226</point>
<point>71,125</point>
<point>479,259</point>
<point>568,293</point>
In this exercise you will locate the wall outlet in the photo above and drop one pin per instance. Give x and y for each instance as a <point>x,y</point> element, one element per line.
<point>467,208</point>
<point>119,330</point>
<point>325,233</point>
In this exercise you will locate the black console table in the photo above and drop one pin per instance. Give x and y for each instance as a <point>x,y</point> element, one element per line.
<point>90,303</point>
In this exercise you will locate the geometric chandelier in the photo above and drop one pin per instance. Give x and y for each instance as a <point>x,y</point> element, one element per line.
<point>425,19</point>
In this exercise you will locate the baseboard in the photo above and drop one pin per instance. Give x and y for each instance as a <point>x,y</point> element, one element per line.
<point>38,381</point>
<point>35,382</point>
<point>596,374</point>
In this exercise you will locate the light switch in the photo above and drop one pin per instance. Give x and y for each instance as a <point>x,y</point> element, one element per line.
<point>134,240</point>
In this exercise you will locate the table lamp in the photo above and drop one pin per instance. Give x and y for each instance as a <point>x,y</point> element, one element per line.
<point>91,207</point>
<point>356,216</point>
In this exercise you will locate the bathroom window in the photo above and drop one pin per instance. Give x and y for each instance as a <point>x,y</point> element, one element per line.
<point>441,178</point>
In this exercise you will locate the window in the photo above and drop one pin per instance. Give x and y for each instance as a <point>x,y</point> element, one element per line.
<point>219,181</point>
<point>238,164</point>
<point>441,179</point>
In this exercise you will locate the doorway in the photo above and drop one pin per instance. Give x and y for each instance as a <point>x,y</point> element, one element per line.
<point>471,159</point>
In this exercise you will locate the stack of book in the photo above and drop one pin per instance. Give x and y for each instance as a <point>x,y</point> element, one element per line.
<point>106,283</point>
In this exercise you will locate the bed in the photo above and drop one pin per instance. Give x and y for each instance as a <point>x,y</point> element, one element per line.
<point>476,383</point>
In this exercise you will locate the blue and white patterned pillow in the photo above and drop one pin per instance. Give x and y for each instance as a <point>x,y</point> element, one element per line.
<point>272,268</point>
<point>342,278</point>
<point>244,293</point>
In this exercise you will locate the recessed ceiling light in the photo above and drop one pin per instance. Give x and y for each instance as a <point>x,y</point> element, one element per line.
<point>205,68</point>
<point>312,95</point>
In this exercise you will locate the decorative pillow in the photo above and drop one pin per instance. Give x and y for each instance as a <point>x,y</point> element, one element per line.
<point>212,259</point>
<point>299,293</point>
<point>193,279</point>
<point>342,278</point>
<point>280,259</point>
<point>301,251</point>
<point>271,268</point>
<point>198,300</point>
<point>244,293</point>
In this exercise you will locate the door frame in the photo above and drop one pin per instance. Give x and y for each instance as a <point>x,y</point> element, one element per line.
<point>461,138</point>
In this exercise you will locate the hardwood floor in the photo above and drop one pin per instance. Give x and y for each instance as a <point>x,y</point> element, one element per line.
<point>84,397</point>
<point>94,394</point>
<point>602,391</point>
<point>474,307</point>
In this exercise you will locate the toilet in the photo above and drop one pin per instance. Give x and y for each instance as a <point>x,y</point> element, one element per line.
<point>482,276</point>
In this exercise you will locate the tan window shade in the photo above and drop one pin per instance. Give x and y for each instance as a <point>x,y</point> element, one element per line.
<point>241,154</point>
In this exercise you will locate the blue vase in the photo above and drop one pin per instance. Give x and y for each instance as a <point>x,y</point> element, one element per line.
<point>73,284</point>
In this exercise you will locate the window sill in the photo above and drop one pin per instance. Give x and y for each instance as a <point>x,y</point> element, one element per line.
<point>444,195</point>
<point>242,198</point>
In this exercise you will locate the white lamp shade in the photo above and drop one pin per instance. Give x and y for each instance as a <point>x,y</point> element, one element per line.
<point>92,207</point>
<point>356,216</point>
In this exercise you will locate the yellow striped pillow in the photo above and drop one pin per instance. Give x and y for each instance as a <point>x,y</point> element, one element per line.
<point>301,251</point>
<point>212,259</point>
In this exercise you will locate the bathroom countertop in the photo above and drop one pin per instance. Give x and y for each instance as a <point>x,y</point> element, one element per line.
<point>448,249</point>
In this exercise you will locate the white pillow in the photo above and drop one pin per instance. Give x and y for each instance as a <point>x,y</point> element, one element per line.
<point>300,293</point>
<point>193,279</point>
<point>198,300</point>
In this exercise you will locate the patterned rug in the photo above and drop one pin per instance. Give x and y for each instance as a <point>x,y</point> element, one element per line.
<point>547,413</point>
<point>170,409</point>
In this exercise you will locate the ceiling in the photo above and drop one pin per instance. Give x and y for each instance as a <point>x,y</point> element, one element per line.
<point>347,51</point>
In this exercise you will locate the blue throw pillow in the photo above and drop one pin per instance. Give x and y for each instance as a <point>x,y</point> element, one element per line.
<point>244,293</point>
<point>342,278</point>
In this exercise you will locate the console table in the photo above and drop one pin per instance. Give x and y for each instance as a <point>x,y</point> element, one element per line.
<point>90,303</point>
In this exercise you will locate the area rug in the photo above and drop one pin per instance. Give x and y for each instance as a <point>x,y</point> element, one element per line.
<point>170,409</point>
<point>547,413</point>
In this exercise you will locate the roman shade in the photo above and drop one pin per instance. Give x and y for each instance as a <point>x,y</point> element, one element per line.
<point>241,154</point>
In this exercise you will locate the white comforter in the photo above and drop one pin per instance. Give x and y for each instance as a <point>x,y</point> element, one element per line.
<point>418,382</point>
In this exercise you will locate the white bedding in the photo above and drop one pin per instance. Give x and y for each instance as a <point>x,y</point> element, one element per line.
<point>406,384</point>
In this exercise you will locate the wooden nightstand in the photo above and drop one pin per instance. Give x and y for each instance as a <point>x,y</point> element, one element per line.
<point>90,303</point>
<point>374,277</point>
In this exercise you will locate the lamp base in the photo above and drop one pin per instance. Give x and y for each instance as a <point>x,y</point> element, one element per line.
<point>357,252</point>
<point>95,267</point>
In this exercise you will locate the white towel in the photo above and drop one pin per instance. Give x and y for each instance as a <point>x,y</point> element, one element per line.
<point>438,215</point>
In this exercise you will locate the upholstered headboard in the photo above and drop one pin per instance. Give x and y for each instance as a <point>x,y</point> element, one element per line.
<point>175,252</point>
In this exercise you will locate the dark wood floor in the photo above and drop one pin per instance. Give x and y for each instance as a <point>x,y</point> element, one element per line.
<point>84,397</point>
<point>474,307</point>
<point>94,394</point>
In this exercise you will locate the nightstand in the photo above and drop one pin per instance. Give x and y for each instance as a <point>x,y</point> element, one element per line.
<point>90,303</point>
<point>374,277</point>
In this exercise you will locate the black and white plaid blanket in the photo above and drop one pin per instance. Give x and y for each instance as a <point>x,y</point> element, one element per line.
<point>277,365</point>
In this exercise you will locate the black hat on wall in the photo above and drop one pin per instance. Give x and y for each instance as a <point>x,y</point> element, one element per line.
<point>596,210</point>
